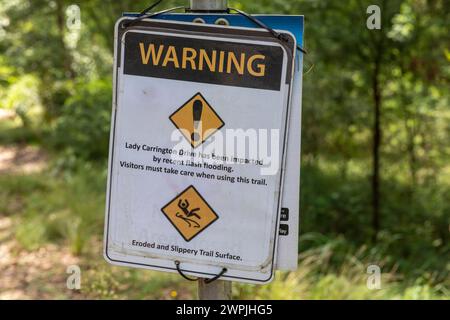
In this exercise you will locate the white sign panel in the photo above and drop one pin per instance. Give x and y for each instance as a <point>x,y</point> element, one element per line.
<point>197,151</point>
<point>287,257</point>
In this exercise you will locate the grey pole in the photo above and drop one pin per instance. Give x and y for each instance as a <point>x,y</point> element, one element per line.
<point>216,290</point>
<point>208,5</point>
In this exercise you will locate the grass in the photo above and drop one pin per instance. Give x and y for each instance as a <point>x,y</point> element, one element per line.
<point>66,208</point>
<point>12,132</point>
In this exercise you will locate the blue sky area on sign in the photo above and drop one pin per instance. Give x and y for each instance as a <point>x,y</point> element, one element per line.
<point>291,23</point>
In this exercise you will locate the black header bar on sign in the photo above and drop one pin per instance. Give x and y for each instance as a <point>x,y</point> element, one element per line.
<point>202,60</point>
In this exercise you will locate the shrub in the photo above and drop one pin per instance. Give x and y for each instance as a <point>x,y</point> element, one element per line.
<point>82,129</point>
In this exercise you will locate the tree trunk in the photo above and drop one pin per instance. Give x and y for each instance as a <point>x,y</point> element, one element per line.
<point>377,99</point>
<point>66,56</point>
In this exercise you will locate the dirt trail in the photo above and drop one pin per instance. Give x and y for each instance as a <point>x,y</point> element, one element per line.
<point>6,114</point>
<point>35,274</point>
<point>21,159</point>
<point>38,274</point>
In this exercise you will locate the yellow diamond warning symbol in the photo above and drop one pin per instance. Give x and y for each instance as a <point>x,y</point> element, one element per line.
<point>196,120</point>
<point>189,213</point>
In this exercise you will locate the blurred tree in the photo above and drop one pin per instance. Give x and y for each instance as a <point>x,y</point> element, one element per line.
<point>392,69</point>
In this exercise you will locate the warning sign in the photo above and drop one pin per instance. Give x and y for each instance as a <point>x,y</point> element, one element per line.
<point>196,120</point>
<point>198,144</point>
<point>189,213</point>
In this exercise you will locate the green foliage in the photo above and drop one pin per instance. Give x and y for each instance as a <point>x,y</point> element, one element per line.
<point>15,132</point>
<point>22,96</point>
<point>106,282</point>
<point>336,270</point>
<point>82,130</point>
<point>60,88</point>
<point>67,208</point>
<point>332,205</point>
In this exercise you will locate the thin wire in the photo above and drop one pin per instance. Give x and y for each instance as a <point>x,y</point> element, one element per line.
<point>276,34</point>
<point>217,276</point>
<point>144,15</point>
<point>149,16</point>
<point>150,8</point>
<point>177,265</point>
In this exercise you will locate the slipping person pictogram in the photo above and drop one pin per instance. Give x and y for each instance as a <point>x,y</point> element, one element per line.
<point>184,206</point>
<point>189,213</point>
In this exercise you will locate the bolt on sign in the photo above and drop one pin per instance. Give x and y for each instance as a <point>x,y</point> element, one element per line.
<point>198,144</point>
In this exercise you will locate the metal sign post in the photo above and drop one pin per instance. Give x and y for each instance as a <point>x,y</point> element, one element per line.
<point>208,5</point>
<point>216,290</point>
